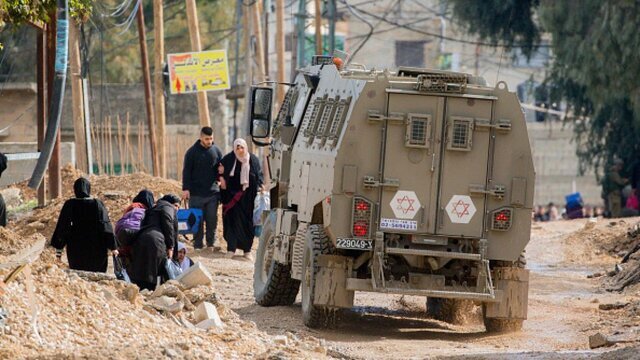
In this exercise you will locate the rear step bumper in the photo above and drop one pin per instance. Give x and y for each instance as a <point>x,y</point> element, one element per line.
<point>440,254</point>
<point>394,287</point>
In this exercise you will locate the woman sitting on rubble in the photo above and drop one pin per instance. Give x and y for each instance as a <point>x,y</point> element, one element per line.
<point>155,243</point>
<point>128,227</point>
<point>85,230</point>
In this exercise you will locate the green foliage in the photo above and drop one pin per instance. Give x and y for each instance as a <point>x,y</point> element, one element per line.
<point>594,70</point>
<point>18,12</point>
<point>502,21</point>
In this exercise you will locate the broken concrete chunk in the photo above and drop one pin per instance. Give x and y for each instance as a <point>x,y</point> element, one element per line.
<point>209,323</point>
<point>206,311</point>
<point>194,276</point>
<point>166,303</point>
<point>598,340</point>
<point>281,339</point>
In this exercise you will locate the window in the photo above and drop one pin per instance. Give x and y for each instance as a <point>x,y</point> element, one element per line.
<point>460,134</point>
<point>410,53</point>
<point>418,131</point>
<point>288,104</point>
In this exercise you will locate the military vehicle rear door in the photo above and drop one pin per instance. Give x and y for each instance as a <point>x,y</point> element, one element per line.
<point>463,178</point>
<point>411,163</point>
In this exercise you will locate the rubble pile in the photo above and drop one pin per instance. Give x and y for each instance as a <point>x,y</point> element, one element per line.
<point>626,275</point>
<point>104,318</point>
<point>92,315</point>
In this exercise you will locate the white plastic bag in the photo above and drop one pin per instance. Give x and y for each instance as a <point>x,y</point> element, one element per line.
<point>261,203</point>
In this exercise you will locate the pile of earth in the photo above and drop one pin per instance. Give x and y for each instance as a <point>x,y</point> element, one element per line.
<point>108,318</point>
<point>626,274</point>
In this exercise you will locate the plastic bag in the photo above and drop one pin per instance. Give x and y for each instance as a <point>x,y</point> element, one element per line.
<point>173,269</point>
<point>261,204</point>
<point>119,270</point>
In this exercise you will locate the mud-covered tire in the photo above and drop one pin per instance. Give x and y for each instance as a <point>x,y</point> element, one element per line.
<point>316,243</point>
<point>502,325</point>
<point>272,282</point>
<point>453,311</point>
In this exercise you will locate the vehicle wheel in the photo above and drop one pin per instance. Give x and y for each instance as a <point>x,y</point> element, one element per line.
<point>502,325</point>
<point>316,243</point>
<point>453,311</point>
<point>272,282</point>
<point>494,325</point>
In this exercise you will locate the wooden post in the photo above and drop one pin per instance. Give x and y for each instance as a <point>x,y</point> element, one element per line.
<point>147,91</point>
<point>248,73</point>
<point>158,27</point>
<point>257,31</point>
<point>280,49</point>
<point>79,133</point>
<point>42,102</point>
<point>318,24</point>
<point>55,188</point>
<point>194,34</point>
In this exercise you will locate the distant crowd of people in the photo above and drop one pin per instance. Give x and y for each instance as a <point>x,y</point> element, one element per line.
<point>551,212</point>
<point>146,236</point>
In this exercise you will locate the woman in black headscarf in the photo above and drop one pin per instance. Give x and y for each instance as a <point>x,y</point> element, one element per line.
<point>240,181</point>
<point>85,229</point>
<point>155,243</point>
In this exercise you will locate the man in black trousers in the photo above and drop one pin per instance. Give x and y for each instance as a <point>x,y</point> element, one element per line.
<point>200,183</point>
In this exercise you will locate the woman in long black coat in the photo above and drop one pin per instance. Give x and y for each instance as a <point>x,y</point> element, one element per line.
<point>240,182</point>
<point>155,243</point>
<point>85,230</point>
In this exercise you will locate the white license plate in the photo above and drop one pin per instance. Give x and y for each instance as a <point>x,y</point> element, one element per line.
<point>354,244</point>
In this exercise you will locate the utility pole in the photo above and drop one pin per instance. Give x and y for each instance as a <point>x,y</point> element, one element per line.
<point>302,39</point>
<point>257,30</point>
<point>76,94</point>
<point>280,48</point>
<point>42,101</point>
<point>55,187</point>
<point>147,90</point>
<point>158,43</point>
<point>236,86</point>
<point>331,9</point>
<point>265,8</point>
<point>318,24</point>
<point>194,34</point>
<point>248,57</point>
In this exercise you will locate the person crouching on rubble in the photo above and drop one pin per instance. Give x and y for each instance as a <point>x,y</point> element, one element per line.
<point>155,242</point>
<point>85,230</point>
<point>184,261</point>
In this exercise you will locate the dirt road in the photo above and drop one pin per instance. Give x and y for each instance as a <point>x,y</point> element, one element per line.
<point>563,310</point>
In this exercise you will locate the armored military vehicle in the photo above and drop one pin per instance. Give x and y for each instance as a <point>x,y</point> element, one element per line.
<point>414,182</point>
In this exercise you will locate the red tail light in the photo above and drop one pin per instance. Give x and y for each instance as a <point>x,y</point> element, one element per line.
<point>361,219</point>
<point>501,219</point>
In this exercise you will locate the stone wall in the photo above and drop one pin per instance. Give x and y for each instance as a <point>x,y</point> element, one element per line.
<point>556,164</point>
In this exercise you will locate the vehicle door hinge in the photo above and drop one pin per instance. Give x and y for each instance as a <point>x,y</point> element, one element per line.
<point>497,191</point>
<point>370,182</point>
<point>503,125</point>
<point>376,116</point>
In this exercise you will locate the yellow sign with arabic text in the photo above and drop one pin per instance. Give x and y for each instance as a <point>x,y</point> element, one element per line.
<point>198,71</point>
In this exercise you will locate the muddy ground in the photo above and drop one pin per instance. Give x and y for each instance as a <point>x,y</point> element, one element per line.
<point>563,307</point>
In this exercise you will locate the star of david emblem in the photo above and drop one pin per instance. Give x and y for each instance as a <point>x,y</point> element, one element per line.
<point>405,204</point>
<point>460,209</point>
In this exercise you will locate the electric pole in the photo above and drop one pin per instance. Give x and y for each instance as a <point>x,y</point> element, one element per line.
<point>280,49</point>
<point>194,33</point>
<point>158,28</point>
<point>76,94</point>
<point>318,24</point>
<point>147,90</point>
<point>257,30</point>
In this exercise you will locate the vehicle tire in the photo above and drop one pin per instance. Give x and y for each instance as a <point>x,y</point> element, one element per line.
<point>316,243</point>
<point>453,311</point>
<point>504,325</point>
<point>272,282</point>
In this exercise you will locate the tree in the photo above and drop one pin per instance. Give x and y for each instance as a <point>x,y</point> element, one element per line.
<point>594,68</point>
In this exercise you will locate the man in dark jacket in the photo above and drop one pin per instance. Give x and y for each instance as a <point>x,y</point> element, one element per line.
<point>199,183</point>
<point>3,206</point>
<point>85,229</point>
